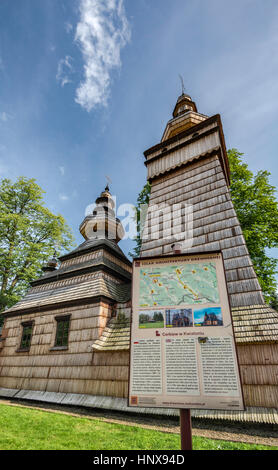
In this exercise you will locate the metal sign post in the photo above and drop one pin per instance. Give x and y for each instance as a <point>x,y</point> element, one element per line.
<point>185,415</point>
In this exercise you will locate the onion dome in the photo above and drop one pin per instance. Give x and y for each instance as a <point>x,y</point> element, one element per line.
<point>102,222</point>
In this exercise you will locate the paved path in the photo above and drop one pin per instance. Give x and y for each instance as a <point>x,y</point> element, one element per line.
<point>237,432</point>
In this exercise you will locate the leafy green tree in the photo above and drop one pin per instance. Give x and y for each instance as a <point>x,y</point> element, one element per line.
<point>29,235</point>
<point>256,206</point>
<point>142,200</point>
<point>158,317</point>
<point>274,301</point>
<point>255,203</point>
<point>144,318</point>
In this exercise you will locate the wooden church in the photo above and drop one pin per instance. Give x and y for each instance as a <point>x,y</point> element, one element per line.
<point>67,340</point>
<point>70,334</point>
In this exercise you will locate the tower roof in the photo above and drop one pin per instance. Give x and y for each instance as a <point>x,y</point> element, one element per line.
<point>183,105</point>
<point>185,116</point>
<point>101,223</point>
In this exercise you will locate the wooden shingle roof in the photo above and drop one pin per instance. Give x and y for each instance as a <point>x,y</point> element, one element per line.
<point>94,244</point>
<point>256,323</point>
<point>97,268</point>
<point>78,288</point>
<point>91,265</point>
<point>115,337</point>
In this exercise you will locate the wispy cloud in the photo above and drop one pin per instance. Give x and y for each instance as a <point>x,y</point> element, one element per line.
<point>67,197</point>
<point>4,117</point>
<point>65,68</point>
<point>63,197</point>
<point>101,33</point>
<point>68,27</point>
<point>62,170</point>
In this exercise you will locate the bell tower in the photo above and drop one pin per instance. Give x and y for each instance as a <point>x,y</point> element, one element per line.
<point>189,169</point>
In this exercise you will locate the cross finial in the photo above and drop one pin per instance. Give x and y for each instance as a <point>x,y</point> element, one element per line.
<point>109,181</point>
<point>182,84</point>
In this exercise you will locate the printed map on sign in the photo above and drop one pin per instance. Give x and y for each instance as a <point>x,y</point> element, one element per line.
<point>178,285</point>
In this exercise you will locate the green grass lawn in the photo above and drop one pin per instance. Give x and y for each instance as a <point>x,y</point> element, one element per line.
<point>29,429</point>
<point>157,324</point>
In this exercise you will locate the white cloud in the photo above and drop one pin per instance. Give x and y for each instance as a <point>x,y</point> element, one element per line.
<point>63,197</point>
<point>62,170</point>
<point>67,197</point>
<point>65,68</point>
<point>101,33</point>
<point>68,27</point>
<point>4,117</point>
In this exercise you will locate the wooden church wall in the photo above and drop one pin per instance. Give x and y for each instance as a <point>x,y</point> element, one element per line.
<point>259,374</point>
<point>113,368</point>
<point>75,370</point>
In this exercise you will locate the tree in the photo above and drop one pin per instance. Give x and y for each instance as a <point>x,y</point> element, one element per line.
<point>274,301</point>
<point>29,235</point>
<point>144,318</point>
<point>158,316</point>
<point>143,199</point>
<point>256,206</point>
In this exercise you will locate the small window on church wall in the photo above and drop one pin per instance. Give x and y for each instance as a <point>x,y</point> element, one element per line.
<point>26,335</point>
<point>62,331</point>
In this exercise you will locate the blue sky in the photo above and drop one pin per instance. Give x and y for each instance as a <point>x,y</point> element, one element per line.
<point>199,314</point>
<point>87,85</point>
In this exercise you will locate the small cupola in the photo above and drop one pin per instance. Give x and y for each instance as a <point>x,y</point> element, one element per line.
<point>51,265</point>
<point>185,116</point>
<point>102,222</point>
<point>183,105</point>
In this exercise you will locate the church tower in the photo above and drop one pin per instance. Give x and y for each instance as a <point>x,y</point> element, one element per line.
<point>189,167</point>
<point>189,175</point>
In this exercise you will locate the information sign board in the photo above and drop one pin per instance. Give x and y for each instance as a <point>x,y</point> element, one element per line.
<point>183,351</point>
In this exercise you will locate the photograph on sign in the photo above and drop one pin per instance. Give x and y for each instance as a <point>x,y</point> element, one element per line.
<point>183,352</point>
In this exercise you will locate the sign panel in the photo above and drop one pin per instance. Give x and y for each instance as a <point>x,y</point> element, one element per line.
<point>182,344</point>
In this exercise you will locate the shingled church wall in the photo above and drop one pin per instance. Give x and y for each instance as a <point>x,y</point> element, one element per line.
<point>74,369</point>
